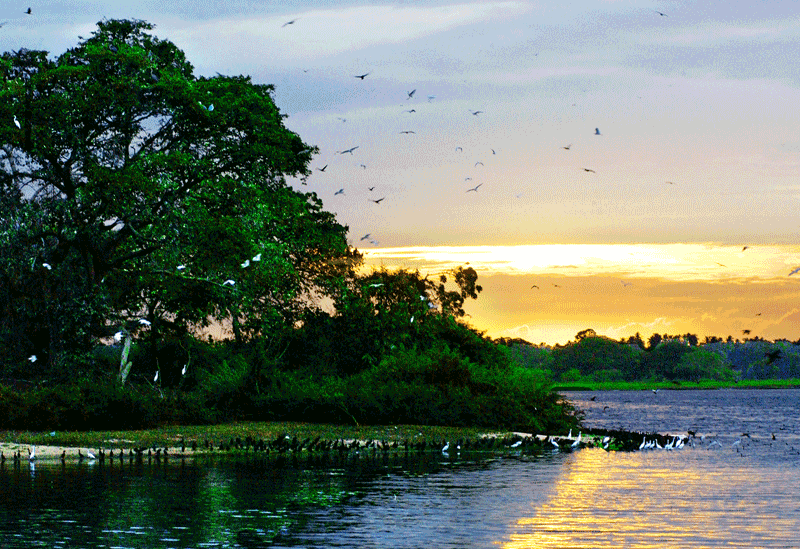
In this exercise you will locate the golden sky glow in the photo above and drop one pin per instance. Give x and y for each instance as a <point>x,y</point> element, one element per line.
<point>619,290</point>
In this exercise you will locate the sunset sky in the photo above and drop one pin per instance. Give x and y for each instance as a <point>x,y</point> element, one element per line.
<point>698,154</point>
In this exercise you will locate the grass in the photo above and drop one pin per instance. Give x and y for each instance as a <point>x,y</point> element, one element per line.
<point>171,436</point>
<point>586,385</point>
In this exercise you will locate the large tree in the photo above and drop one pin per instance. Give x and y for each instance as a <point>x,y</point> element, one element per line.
<point>135,192</point>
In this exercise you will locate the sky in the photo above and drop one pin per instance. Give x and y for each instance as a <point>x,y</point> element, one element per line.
<point>698,152</point>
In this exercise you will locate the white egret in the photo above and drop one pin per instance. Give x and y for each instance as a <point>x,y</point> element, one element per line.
<point>446,447</point>
<point>144,322</point>
<point>246,264</point>
<point>32,454</point>
<point>577,441</point>
<point>47,266</point>
<point>32,358</point>
<point>16,122</point>
<point>181,267</point>
<point>257,257</point>
<point>229,282</point>
<point>554,443</point>
<point>183,371</point>
<point>118,336</point>
<point>155,378</point>
<point>517,444</point>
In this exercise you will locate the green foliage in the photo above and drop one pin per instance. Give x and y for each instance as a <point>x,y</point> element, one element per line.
<point>592,353</point>
<point>141,200</point>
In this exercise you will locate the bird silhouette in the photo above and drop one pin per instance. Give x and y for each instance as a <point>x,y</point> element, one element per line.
<point>289,23</point>
<point>797,270</point>
<point>597,131</point>
<point>476,113</point>
<point>28,11</point>
<point>411,94</point>
<point>407,131</point>
<point>411,110</point>
<point>745,247</point>
<point>363,76</point>
<point>366,236</point>
<point>378,201</point>
<point>350,150</point>
<point>535,286</point>
<point>475,188</point>
<point>588,170</point>
<point>661,14</point>
<point>340,191</point>
<point>323,168</point>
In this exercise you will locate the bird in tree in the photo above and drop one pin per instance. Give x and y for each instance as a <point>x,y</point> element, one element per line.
<point>110,142</point>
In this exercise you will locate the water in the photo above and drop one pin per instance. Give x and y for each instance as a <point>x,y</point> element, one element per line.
<point>740,491</point>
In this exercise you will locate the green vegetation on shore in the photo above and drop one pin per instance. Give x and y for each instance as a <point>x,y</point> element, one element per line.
<point>142,206</point>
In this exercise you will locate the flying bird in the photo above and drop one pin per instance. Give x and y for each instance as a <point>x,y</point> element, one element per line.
<point>661,14</point>
<point>28,11</point>
<point>475,188</point>
<point>535,286</point>
<point>459,149</point>
<point>431,98</point>
<point>588,170</point>
<point>597,131</point>
<point>411,94</point>
<point>744,248</point>
<point>625,283</point>
<point>411,110</point>
<point>180,267</point>
<point>350,150</point>
<point>363,76</point>
<point>407,131</point>
<point>340,191</point>
<point>363,166</point>
<point>378,201</point>
<point>797,270</point>
<point>476,113</point>
<point>289,23</point>
<point>47,266</point>
<point>720,264</point>
<point>567,147</point>
<point>366,236</point>
<point>478,162</point>
<point>323,168</point>
<point>371,188</point>
<point>32,358</point>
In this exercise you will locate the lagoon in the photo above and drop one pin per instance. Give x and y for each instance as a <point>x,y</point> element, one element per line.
<point>739,491</point>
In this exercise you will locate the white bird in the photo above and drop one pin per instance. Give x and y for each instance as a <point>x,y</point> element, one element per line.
<point>375,285</point>
<point>554,443</point>
<point>229,282</point>
<point>257,257</point>
<point>655,391</point>
<point>47,266</point>
<point>517,444</point>
<point>412,320</point>
<point>16,122</point>
<point>90,455</point>
<point>32,358</point>
<point>32,454</point>
<point>155,378</point>
<point>144,322</point>
<point>210,107</point>
<point>577,441</point>
<point>183,372</point>
<point>643,445</point>
<point>446,447</point>
<point>246,264</point>
<point>180,267</point>
<point>118,336</point>
<point>569,436</point>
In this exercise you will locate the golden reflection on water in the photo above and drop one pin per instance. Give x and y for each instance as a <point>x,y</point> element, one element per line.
<point>658,498</point>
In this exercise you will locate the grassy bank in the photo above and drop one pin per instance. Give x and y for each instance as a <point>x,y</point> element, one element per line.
<point>586,385</point>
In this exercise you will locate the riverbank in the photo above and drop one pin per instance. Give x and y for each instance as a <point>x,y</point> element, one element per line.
<point>283,437</point>
<point>585,385</point>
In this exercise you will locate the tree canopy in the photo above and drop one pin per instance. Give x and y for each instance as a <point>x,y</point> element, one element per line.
<point>138,195</point>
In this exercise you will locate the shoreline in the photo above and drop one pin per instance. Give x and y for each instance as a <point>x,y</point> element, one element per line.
<point>492,441</point>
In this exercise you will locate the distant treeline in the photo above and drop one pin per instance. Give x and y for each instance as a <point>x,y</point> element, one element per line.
<point>664,357</point>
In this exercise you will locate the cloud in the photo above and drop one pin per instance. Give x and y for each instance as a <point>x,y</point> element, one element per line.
<point>330,32</point>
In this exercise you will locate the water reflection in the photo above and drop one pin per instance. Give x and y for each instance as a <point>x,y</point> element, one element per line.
<point>742,491</point>
<point>678,499</point>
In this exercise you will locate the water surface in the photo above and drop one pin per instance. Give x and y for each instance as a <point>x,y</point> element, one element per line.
<point>737,491</point>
